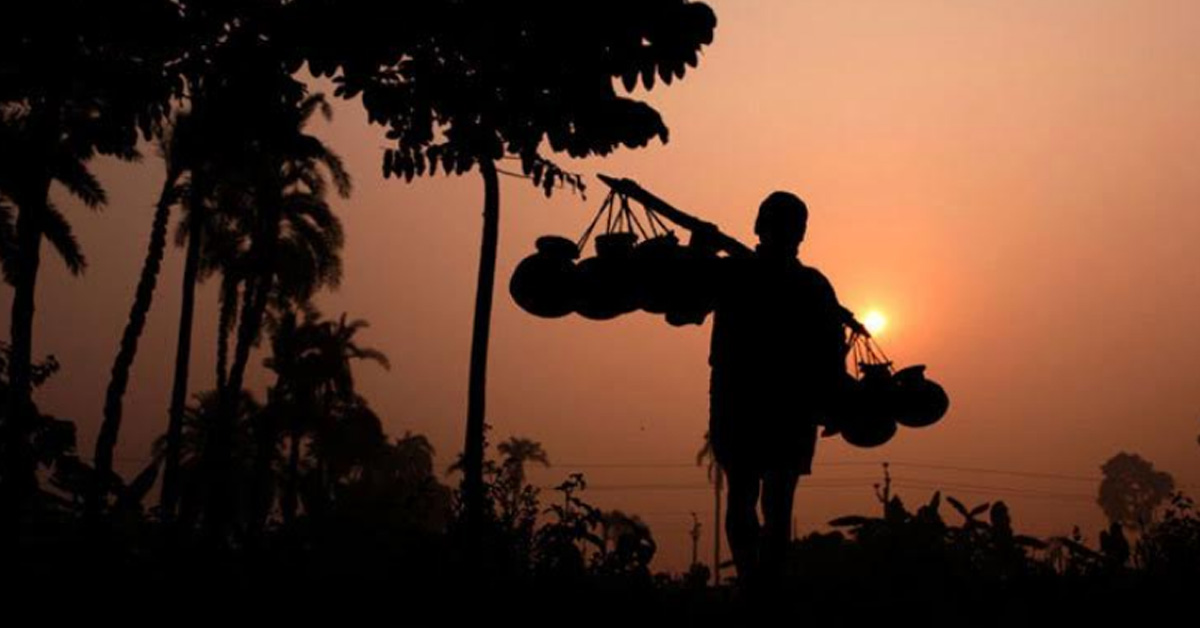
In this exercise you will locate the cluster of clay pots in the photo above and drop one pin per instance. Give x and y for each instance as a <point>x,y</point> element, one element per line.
<point>657,275</point>
<point>660,276</point>
<point>871,408</point>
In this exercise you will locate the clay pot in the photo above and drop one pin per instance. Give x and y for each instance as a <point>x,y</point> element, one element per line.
<point>864,416</point>
<point>674,280</point>
<point>919,402</point>
<point>606,282</point>
<point>658,262</point>
<point>869,431</point>
<point>544,284</point>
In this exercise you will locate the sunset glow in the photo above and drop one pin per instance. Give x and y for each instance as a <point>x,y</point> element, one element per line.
<point>875,322</point>
<point>1006,187</point>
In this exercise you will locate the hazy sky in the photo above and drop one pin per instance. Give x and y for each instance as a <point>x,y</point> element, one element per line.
<point>1013,182</point>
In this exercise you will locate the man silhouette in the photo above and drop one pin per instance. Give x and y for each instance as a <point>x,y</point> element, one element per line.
<point>778,351</point>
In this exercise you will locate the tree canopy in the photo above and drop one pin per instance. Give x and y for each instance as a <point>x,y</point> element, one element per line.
<point>1132,489</point>
<point>474,79</point>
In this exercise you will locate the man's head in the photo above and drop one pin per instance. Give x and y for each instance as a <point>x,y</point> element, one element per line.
<point>782,221</point>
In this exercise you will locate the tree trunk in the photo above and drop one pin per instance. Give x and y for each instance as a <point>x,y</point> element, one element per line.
<point>18,473</point>
<point>222,489</point>
<point>219,451</point>
<point>183,357</point>
<point>291,498</point>
<point>106,441</point>
<point>261,496</point>
<point>477,384</point>
<point>225,323</point>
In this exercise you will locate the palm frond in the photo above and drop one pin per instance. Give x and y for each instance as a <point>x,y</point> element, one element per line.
<point>339,173</point>
<point>58,233</point>
<point>74,175</point>
<point>8,243</point>
<point>313,104</point>
<point>373,355</point>
<point>311,150</point>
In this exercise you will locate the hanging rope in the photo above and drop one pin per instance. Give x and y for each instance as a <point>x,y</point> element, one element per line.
<point>866,352</point>
<point>654,218</point>
<point>605,208</point>
<point>631,218</point>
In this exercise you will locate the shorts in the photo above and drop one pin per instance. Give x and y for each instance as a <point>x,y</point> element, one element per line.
<point>759,427</point>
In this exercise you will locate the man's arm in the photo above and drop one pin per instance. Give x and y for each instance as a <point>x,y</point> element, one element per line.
<point>852,323</point>
<point>834,319</point>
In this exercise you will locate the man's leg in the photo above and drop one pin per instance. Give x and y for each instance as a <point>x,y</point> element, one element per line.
<point>741,520</point>
<point>779,490</point>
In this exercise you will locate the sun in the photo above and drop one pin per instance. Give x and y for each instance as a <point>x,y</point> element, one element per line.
<point>875,321</point>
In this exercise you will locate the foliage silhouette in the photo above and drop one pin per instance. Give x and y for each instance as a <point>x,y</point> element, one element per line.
<point>311,500</point>
<point>80,79</point>
<point>1132,489</point>
<point>466,83</point>
<point>294,239</point>
<point>314,394</point>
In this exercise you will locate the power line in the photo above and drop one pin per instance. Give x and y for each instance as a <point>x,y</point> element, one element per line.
<point>832,483</point>
<point>901,464</point>
<point>943,467</point>
<point>1023,492</point>
<point>1025,474</point>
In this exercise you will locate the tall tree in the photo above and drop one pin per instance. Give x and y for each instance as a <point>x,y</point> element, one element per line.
<point>518,452</point>
<point>203,146</point>
<point>174,148</point>
<point>210,140</point>
<point>314,387</point>
<point>292,239</point>
<point>196,436</point>
<point>79,79</point>
<point>468,82</point>
<point>1132,489</point>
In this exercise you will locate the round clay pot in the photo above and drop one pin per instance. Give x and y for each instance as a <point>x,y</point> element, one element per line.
<point>545,283</point>
<point>606,282</point>
<point>919,402</point>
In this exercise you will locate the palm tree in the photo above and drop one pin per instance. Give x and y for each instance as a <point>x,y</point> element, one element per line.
<point>191,230</point>
<point>56,230</point>
<point>178,147</point>
<point>77,83</point>
<point>517,499</point>
<point>517,452</point>
<point>294,240</point>
<point>196,145</point>
<point>29,163</point>
<point>196,436</point>
<point>314,387</point>
<point>208,140</point>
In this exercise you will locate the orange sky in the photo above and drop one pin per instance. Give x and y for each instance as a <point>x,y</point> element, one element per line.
<point>1014,182</point>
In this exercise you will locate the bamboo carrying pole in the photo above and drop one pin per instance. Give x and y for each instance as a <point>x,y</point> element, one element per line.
<point>721,241</point>
<point>630,188</point>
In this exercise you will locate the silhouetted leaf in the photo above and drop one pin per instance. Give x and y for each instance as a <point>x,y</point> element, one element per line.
<point>59,234</point>
<point>851,521</point>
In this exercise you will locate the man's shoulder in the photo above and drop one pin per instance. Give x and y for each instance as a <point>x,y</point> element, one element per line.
<point>815,278</point>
